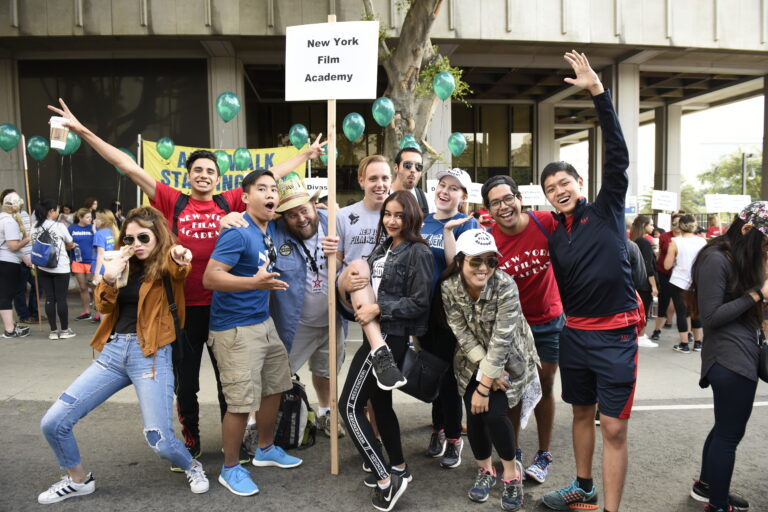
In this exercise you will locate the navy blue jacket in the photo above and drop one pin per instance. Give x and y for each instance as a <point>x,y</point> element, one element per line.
<point>591,264</point>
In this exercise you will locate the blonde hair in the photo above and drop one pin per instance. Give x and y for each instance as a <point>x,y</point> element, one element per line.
<point>14,211</point>
<point>365,162</point>
<point>107,220</point>
<point>79,214</point>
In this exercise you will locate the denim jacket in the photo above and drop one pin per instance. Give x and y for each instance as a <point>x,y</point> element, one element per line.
<point>404,292</point>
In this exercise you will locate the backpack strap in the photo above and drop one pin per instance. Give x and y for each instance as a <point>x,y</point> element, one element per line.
<point>538,223</point>
<point>222,202</point>
<point>181,202</point>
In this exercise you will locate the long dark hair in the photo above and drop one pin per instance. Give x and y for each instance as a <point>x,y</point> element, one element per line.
<point>747,257</point>
<point>41,210</point>
<point>412,217</point>
<point>638,227</point>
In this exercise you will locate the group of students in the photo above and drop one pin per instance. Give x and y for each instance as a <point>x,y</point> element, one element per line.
<point>505,308</point>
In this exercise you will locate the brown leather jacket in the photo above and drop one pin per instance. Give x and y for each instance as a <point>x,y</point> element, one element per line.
<point>154,324</point>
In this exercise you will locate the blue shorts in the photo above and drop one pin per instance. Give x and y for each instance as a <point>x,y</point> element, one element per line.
<point>599,367</point>
<point>547,338</point>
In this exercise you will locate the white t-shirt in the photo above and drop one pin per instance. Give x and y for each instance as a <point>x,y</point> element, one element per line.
<point>378,271</point>
<point>61,236</point>
<point>688,248</point>
<point>314,313</point>
<point>9,230</point>
<point>356,229</point>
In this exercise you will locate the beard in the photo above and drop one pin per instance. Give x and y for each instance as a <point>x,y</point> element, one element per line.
<point>307,232</point>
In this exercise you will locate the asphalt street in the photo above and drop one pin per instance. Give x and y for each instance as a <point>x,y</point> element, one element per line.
<point>672,416</point>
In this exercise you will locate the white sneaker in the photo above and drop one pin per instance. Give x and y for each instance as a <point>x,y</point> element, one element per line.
<point>645,341</point>
<point>198,482</point>
<point>66,488</point>
<point>54,336</point>
<point>66,333</point>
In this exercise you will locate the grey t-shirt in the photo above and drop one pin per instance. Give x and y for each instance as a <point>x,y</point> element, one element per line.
<point>9,230</point>
<point>356,229</point>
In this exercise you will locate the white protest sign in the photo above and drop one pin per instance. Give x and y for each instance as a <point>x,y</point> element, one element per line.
<point>331,61</point>
<point>726,203</point>
<point>474,193</point>
<point>663,200</point>
<point>664,221</point>
<point>315,184</point>
<point>533,195</point>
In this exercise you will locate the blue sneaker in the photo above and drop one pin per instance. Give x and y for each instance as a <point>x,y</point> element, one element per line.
<point>238,481</point>
<point>539,469</point>
<point>571,497</point>
<point>275,456</point>
<point>512,496</point>
<point>481,488</point>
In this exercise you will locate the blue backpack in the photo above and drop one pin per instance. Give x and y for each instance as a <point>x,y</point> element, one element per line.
<point>45,252</point>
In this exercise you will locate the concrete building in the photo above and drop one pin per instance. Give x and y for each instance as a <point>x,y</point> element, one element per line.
<point>152,67</point>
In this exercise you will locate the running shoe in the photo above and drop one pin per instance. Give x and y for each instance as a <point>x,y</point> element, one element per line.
<point>597,418</point>
<point>324,424</point>
<point>83,316</point>
<point>697,346</point>
<point>436,446</point>
<point>66,333</point>
<point>372,480</point>
<point>198,482</point>
<point>66,488</point>
<point>512,496</point>
<point>700,492</point>
<point>96,318</point>
<point>238,481</point>
<point>645,341</point>
<point>539,469</point>
<point>387,374</point>
<point>571,497</point>
<point>54,336</point>
<point>690,337</point>
<point>276,457</point>
<point>452,456</point>
<point>366,467</point>
<point>19,331</point>
<point>656,335</point>
<point>385,499</point>
<point>481,488</point>
<point>683,348</point>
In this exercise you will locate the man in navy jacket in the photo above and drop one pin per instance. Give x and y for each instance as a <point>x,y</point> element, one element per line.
<point>598,346</point>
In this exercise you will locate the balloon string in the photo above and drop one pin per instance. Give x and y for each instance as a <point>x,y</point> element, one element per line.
<point>39,185</point>
<point>72,181</point>
<point>119,182</point>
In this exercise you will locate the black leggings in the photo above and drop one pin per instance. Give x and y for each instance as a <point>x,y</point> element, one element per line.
<point>446,410</point>
<point>665,295</point>
<point>55,287</point>
<point>681,310</point>
<point>491,429</point>
<point>10,274</point>
<point>733,396</point>
<point>360,387</point>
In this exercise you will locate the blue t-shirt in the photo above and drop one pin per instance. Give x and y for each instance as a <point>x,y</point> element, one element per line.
<point>104,239</point>
<point>432,231</point>
<point>83,237</point>
<point>245,251</point>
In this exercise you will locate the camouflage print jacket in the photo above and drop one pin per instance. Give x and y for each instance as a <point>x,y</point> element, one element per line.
<point>492,333</point>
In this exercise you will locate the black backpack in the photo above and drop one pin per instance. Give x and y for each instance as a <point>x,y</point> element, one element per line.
<point>295,426</point>
<point>45,250</point>
<point>182,203</point>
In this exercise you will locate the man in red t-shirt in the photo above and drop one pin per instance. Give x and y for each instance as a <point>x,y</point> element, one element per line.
<point>523,240</point>
<point>665,293</point>
<point>198,228</point>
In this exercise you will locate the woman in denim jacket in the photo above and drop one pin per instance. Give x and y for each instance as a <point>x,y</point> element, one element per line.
<point>391,305</point>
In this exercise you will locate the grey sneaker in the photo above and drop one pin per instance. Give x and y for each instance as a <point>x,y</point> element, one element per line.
<point>512,497</point>
<point>436,446</point>
<point>481,488</point>
<point>54,336</point>
<point>66,333</point>
<point>19,331</point>
<point>452,456</point>
<point>324,424</point>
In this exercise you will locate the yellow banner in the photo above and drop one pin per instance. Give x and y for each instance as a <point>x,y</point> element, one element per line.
<point>173,171</point>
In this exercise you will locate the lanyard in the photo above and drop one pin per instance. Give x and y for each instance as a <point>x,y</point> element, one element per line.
<point>312,259</point>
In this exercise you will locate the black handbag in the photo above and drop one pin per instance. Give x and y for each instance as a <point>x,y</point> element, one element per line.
<point>424,372</point>
<point>181,342</point>
<point>762,365</point>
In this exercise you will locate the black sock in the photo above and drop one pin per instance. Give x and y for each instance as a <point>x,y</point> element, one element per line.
<point>585,483</point>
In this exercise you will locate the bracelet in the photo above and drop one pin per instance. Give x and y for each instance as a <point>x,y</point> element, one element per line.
<point>484,395</point>
<point>481,384</point>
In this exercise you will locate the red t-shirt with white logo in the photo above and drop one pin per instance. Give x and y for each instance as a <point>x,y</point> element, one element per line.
<point>198,226</point>
<point>525,257</point>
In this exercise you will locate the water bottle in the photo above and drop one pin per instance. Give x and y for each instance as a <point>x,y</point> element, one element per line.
<point>77,254</point>
<point>655,307</point>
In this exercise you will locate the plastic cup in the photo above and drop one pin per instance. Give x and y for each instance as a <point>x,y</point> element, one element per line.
<point>59,132</point>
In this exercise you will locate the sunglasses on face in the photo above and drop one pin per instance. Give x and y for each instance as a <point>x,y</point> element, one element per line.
<point>271,252</point>
<point>143,238</point>
<point>410,165</point>
<point>674,223</point>
<point>490,262</point>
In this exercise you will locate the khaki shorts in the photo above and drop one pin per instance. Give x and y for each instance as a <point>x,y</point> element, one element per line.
<point>252,363</point>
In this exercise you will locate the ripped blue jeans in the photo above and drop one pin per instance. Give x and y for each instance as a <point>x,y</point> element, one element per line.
<point>120,364</point>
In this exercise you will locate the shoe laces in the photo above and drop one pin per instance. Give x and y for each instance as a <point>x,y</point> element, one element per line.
<point>383,360</point>
<point>450,450</point>
<point>196,474</point>
<point>511,489</point>
<point>483,478</point>
<point>542,460</point>
<point>64,482</point>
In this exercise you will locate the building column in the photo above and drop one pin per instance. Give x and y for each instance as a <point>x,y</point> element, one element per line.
<point>547,148</point>
<point>437,136</point>
<point>668,168</point>
<point>225,73</point>
<point>11,163</point>
<point>628,108</point>
<point>764,182</point>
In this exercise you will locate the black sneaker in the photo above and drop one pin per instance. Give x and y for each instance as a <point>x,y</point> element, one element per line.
<point>682,347</point>
<point>372,480</point>
<point>19,331</point>
<point>700,492</point>
<point>385,499</point>
<point>697,346</point>
<point>690,337</point>
<point>481,488</point>
<point>387,374</point>
<point>194,451</point>
<point>366,468</point>
<point>452,457</point>
<point>83,316</point>
<point>436,446</point>
<point>656,335</point>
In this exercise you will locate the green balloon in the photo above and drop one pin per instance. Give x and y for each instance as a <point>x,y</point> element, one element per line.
<point>443,84</point>
<point>165,147</point>
<point>457,143</point>
<point>127,152</point>
<point>242,159</point>
<point>324,157</point>
<point>38,147</point>
<point>299,135</point>
<point>383,111</point>
<point>73,144</point>
<point>353,126</point>
<point>9,136</point>
<point>223,160</point>
<point>409,141</point>
<point>228,106</point>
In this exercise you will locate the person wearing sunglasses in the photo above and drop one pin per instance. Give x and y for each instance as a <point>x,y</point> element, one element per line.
<point>134,338</point>
<point>495,360</point>
<point>252,359</point>
<point>408,168</point>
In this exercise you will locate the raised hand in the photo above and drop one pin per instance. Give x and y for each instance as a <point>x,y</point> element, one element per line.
<point>455,223</point>
<point>73,124</point>
<point>586,78</point>
<point>316,148</point>
<point>264,280</point>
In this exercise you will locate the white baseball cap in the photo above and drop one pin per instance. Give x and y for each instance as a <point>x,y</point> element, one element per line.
<point>14,200</point>
<point>476,241</point>
<point>459,174</point>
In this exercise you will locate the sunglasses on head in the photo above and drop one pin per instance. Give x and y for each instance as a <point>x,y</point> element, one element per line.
<point>271,252</point>
<point>490,262</point>
<point>409,165</point>
<point>144,238</point>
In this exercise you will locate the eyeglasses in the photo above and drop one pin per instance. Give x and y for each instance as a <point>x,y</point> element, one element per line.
<point>143,238</point>
<point>409,165</point>
<point>490,262</point>
<point>271,252</point>
<point>508,200</point>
